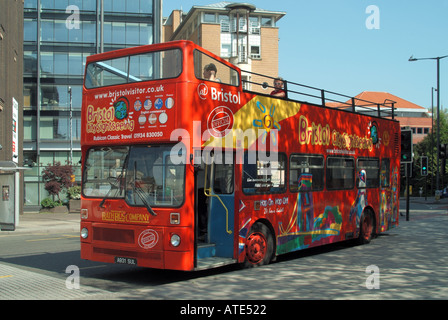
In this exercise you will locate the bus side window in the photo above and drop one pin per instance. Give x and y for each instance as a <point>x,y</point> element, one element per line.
<point>306,173</point>
<point>371,167</point>
<point>264,176</point>
<point>224,73</point>
<point>340,173</point>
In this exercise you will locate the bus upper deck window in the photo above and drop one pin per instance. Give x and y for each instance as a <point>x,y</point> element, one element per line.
<point>134,68</point>
<point>204,64</point>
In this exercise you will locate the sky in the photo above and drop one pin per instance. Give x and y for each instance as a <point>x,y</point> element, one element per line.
<point>327,44</point>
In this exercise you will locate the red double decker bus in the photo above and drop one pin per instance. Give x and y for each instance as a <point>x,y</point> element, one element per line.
<point>186,172</point>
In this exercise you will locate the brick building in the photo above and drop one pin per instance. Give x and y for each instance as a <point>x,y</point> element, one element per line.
<point>242,34</point>
<point>11,106</point>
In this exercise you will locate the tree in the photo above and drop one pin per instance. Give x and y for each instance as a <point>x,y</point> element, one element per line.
<point>428,147</point>
<point>57,178</point>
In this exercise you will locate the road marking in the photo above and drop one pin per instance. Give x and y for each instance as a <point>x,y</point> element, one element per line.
<point>49,239</point>
<point>9,276</point>
<point>93,267</point>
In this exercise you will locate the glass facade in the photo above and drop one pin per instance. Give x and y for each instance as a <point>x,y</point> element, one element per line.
<point>58,36</point>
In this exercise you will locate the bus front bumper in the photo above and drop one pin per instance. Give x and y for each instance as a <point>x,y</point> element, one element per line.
<point>143,246</point>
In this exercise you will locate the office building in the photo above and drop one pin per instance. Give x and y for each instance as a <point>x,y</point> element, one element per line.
<point>58,36</point>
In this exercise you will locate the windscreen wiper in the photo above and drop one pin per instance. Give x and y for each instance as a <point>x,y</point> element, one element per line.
<point>115,180</point>
<point>112,183</point>
<point>140,193</point>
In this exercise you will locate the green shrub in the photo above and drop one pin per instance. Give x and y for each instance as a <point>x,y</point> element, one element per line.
<point>74,192</point>
<point>50,203</point>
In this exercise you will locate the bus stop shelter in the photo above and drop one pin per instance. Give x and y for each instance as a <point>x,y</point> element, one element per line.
<point>10,195</point>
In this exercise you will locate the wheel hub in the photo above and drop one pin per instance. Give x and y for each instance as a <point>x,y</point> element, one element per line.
<point>256,247</point>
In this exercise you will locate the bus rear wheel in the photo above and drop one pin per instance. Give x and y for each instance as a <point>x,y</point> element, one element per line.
<point>259,246</point>
<point>366,227</point>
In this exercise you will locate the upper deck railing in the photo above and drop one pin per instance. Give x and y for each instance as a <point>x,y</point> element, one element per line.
<point>263,84</point>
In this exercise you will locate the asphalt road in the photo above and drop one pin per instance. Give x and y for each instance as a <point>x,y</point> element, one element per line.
<point>406,263</point>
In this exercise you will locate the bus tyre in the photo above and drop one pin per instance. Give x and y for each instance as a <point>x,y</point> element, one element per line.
<point>259,246</point>
<point>366,227</point>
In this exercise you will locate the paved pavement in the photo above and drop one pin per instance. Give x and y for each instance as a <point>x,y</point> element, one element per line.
<point>35,222</point>
<point>412,261</point>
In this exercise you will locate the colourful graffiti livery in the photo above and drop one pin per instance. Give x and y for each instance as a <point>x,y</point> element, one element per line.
<point>184,173</point>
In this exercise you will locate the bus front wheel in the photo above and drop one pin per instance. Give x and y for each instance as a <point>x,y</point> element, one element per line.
<point>259,246</point>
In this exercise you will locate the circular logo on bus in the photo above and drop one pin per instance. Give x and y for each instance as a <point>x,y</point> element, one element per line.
<point>220,122</point>
<point>203,91</point>
<point>147,105</point>
<point>374,133</point>
<point>148,239</point>
<point>121,108</point>
<point>169,103</point>
<point>386,138</point>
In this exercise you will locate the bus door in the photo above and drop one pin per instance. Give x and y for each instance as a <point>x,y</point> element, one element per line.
<point>215,210</point>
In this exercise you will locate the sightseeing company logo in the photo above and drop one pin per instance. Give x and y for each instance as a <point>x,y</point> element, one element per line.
<point>102,120</point>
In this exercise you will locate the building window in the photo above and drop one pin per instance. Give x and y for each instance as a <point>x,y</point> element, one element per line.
<point>134,6</point>
<point>267,22</point>
<point>225,23</point>
<point>254,25</point>
<point>226,50</point>
<point>29,128</point>
<point>58,128</point>
<point>30,4</point>
<point>47,33</point>
<point>56,97</point>
<point>209,18</point>
<point>246,82</point>
<point>29,30</point>
<point>255,52</point>
<point>29,96</point>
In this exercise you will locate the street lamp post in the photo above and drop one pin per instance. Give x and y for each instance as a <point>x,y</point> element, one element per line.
<point>438,111</point>
<point>70,132</point>
<point>432,135</point>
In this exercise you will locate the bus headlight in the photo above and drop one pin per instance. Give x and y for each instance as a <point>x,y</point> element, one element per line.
<point>84,213</point>
<point>175,240</point>
<point>84,233</point>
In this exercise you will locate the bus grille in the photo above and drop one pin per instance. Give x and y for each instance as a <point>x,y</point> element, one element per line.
<point>113,235</point>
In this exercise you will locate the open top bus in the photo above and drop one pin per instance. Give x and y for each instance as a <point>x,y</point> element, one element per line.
<point>184,173</point>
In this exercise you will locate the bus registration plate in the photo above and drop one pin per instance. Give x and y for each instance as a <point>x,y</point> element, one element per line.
<point>129,261</point>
